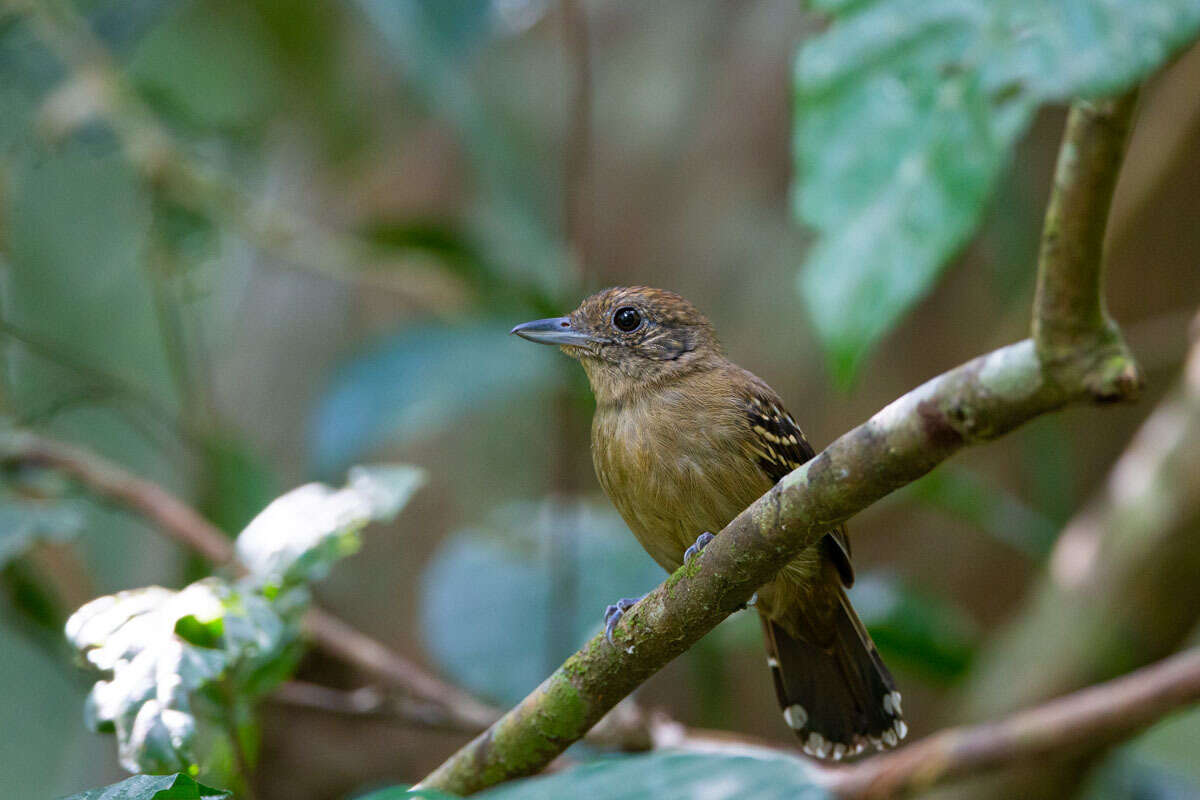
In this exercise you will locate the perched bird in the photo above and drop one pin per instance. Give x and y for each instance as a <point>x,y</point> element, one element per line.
<point>682,441</point>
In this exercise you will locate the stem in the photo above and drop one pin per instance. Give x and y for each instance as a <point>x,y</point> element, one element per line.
<point>241,762</point>
<point>1069,312</point>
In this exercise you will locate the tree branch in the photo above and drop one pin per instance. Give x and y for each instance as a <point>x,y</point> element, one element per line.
<point>977,402</point>
<point>1120,588</point>
<point>1069,312</point>
<point>180,522</point>
<point>1103,713</point>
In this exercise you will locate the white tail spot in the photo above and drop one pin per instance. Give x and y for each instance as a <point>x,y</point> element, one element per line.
<point>795,716</point>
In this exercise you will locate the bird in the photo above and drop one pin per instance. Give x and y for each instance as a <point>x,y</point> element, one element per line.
<point>682,441</point>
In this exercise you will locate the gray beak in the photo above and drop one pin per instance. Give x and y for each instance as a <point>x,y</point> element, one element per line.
<point>556,330</point>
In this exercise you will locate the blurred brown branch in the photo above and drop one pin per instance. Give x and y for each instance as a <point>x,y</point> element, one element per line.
<point>1120,590</point>
<point>180,522</point>
<point>1099,714</point>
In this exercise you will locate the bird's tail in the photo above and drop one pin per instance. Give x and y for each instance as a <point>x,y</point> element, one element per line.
<point>833,688</point>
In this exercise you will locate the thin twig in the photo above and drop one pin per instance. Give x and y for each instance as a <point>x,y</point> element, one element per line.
<point>180,522</point>
<point>1100,714</point>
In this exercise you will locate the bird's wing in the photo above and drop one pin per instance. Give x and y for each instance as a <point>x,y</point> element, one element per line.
<point>780,447</point>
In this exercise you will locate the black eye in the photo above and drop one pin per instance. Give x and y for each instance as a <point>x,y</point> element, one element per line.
<point>627,319</point>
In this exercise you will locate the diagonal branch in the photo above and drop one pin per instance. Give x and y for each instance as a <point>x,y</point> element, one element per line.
<point>976,402</point>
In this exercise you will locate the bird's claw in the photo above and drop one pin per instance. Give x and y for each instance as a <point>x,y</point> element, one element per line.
<point>613,614</point>
<point>701,542</point>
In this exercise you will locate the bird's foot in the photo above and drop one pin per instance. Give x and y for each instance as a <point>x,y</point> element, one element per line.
<point>701,542</point>
<point>613,614</point>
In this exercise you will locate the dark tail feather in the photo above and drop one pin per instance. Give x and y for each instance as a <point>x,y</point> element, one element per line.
<point>835,691</point>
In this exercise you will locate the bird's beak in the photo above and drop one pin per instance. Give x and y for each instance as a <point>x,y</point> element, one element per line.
<point>556,330</point>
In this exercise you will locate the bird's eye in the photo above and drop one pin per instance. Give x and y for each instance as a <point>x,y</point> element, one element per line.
<point>627,319</point>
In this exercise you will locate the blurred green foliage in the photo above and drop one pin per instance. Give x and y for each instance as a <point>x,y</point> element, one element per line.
<point>417,381</point>
<point>183,668</point>
<point>763,775</point>
<point>154,787</point>
<point>490,613</point>
<point>905,114</point>
<point>177,315</point>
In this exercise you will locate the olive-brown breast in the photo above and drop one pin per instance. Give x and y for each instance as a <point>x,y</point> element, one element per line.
<point>678,461</point>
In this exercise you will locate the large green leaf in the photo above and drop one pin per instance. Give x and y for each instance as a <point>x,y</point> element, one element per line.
<point>154,787</point>
<point>490,610</point>
<point>906,112</point>
<point>757,773</point>
<point>171,661</point>
<point>298,536</point>
<point>417,381</point>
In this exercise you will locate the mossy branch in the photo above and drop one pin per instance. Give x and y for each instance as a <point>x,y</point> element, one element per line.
<point>976,402</point>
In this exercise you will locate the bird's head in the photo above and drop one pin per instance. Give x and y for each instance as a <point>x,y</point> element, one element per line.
<point>630,338</point>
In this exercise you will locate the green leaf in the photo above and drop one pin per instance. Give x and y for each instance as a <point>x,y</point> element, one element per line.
<point>418,381</point>
<point>154,787</point>
<point>759,773</point>
<point>905,114</point>
<point>969,497</point>
<point>297,537</point>
<point>169,660</point>
<point>491,598</point>
<point>914,629</point>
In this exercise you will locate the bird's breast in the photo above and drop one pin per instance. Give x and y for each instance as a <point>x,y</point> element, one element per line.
<point>674,468</point>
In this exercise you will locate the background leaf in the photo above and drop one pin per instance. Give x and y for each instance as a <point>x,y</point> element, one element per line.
<point>417,381</point>
<point>170,658</point>
<point>906,113</point>
<point>154,787</point>
<point>298,536</point>
<point>487,612</point>
<point>761,774</point>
